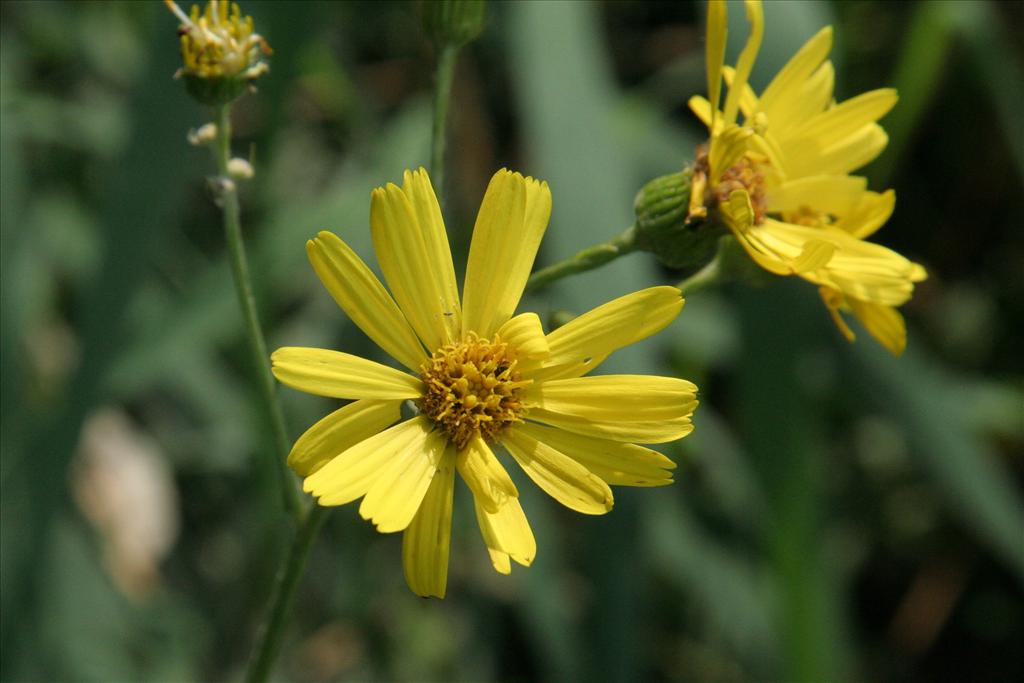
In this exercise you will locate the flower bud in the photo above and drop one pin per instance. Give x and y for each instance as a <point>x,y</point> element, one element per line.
<point>204,135</point>
<point>662,228</point>
<point>240,169</point>
<point>222,55</point>
<point>453,22</point>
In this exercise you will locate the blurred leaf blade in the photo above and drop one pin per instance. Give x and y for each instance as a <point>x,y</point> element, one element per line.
<point>929,402</point>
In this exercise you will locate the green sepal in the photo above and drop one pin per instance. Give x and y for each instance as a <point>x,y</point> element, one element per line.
<point>216,90</point>
<point>662,228</point>
<point>453,22</point>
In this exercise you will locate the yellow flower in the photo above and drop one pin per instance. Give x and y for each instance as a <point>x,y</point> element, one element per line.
<point>478,377</point>
<point>219,42</point>
<point>781,180</point>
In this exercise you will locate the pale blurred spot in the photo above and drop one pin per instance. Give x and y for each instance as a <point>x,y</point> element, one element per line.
<point>125,488</point>
<point>331,651</point>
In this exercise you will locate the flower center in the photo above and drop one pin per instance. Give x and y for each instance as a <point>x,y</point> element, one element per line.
<point>746,174</point>
<point>473,387</point>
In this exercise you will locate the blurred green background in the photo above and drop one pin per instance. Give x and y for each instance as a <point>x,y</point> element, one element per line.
<point>837,515</point>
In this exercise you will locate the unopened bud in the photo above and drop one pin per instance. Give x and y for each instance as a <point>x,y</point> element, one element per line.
<point>453,22</point>
<point>221,53</point>
<point>662,228</point>
<point>240,169</point>
<point>203,135</point>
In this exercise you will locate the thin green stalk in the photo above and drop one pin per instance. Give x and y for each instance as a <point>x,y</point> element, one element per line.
<point>707,276</point>
<point>271,635</point>
<point>442,96</point>
<point>588,259</point>
<point>227,193</point>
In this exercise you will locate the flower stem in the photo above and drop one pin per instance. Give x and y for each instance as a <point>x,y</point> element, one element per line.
<point>271,634</point>
<point>588,259</point>
<point>227,193</point>
<point>446,57</point>
<point>707,276</point>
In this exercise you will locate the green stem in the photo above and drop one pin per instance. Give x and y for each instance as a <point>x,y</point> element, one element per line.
<point>707,276</point>
<point>442,96</point>
<point>271,635</point>
<point>227,192</point>
<point>588,259</point>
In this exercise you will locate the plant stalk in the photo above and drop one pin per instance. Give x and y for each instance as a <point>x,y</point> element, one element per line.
<point>227,192</point>
<point>588,259</point>
<point>444,75</point>
<point>707,276</point>
<point>271,635</point>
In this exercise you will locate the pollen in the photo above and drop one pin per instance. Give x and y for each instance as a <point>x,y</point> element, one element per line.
<point>473,387</point>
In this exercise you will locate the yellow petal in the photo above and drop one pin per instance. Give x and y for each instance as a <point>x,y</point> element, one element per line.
<point>786,86</point>
<point>525,334</point>
<point>834,300</point>
<point>486,478</point>
<point>426,542</point>
<point>341,375</point>
<point>816,255</point>
<point>551,372</point>
<point>869,215</point>
<point>833,194</point>
<point>806,156</point>
<point>748,100</point>
<point>350,475</point>
<point>361,295</point>
<point>787,119</point>
<point>409,266</point>
<point>509,227</point>
<point>755,15</point>
<point>859,269</point>
<point>339,431</point>
<point>416,185</point>
<point>395,496</point>
<point>558,475</point>
<point>506,534</point>
<point>843,120</point>
<point>623,398</point>
<point>701,108</point>
<point>613,325</point>
<point>619,464</point>
<point>884,323</point>
<point>500,561</point>
<point>661,431</point>
<point>738,214</point>
<point>714,55</point>
<point>727,149</point>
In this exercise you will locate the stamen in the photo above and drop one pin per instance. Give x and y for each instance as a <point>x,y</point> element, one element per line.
<point>473,388</point>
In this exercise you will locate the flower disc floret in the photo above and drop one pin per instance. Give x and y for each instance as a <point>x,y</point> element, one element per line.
<point>473,387</point>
